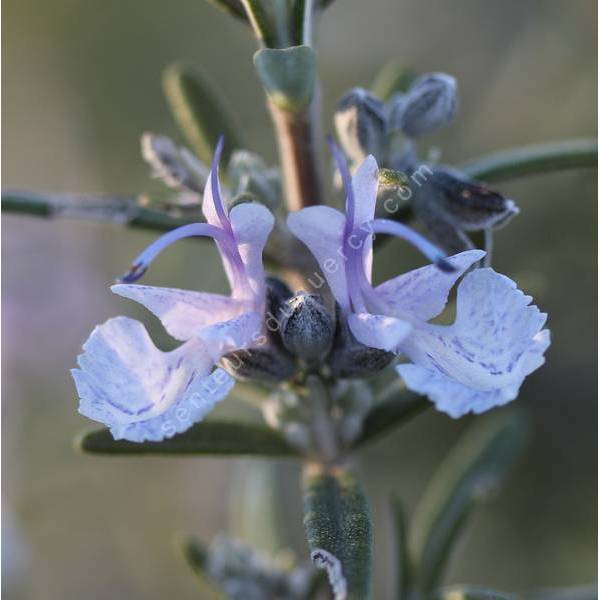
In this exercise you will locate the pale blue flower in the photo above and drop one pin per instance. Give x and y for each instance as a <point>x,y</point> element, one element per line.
<point>142,393</point>
<point>478,362</point>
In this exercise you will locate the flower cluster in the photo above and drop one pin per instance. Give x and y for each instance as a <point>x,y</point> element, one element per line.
<point>478,362</point>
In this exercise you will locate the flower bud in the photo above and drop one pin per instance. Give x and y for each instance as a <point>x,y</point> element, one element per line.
<point>307,326</point>
<point>360,124</point>
<point>429,104</point>
<point>268,364</point>
<point>473,205</point>
<point>449,205</point>
<point>176,167</point>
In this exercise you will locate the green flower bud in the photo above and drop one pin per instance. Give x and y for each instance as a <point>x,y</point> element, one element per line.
<point>429,104</point>
<point>360,124</point>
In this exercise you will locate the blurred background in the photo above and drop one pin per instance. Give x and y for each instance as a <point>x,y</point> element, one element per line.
<point>81,83</point>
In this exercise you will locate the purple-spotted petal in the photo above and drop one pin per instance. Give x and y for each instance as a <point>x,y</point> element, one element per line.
<point>452,397</point>
<point>140,392</point>
<point>252,224</point>
<point>378,331</point>
<point>183,312</point>
<point>321,229</point>
<point>423,293</point>
<point>495,342</point>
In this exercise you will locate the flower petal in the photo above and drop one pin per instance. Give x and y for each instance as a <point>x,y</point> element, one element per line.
<point>183,312</point>
<point>213,207</point>
<point>242,332</point>
<point>141,393</point>
<point>378,331</point>
<point>321,229</point>
<point>423,293</point>
<point>452,397</point>
<point>495,342</point>
<point>364,183</point>
<point>252,223</point>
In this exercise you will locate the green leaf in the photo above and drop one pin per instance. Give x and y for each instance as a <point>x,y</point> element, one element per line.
<point>475,465</point>
<point>532,160</point>
<point>233,7</point>
<point>302,21</point>
<point>472,593</point>
<point>395,406</point>
<point>195,555</point>
<point>403,567</point>
<point>263,16</point>
<point>392,78</point>
<point>200,111</point>
<point>288,75</point>
<point>210,437</point>
<point>338,527</point>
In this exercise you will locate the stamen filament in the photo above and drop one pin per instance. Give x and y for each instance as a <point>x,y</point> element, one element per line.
<point>431,251</point>
<point>142,262</point>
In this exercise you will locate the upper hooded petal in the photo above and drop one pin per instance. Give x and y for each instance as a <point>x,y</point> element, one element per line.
<point>321,229</point>
<point>495,342</point>
<point>252,223</point>
<point>140,392</point>
<point>182,312</point>
<point>209,201</point>
<point>423,293</point>
<point>364,184</point>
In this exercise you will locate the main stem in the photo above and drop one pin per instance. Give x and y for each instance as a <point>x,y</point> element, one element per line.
<point>299,141</point>
<point>323,429</point>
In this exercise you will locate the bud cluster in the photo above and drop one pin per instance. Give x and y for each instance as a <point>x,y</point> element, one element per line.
<point>447,202</point>
<point>249,178</point>
<point>243,573</point>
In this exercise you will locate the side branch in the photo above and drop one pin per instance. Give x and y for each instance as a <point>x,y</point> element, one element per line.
<point>124,211</point>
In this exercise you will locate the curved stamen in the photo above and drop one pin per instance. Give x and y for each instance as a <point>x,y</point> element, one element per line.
<point>421,243</point>
<point>214,186</point>
<point>361,291</point>
<point>142,262</point>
